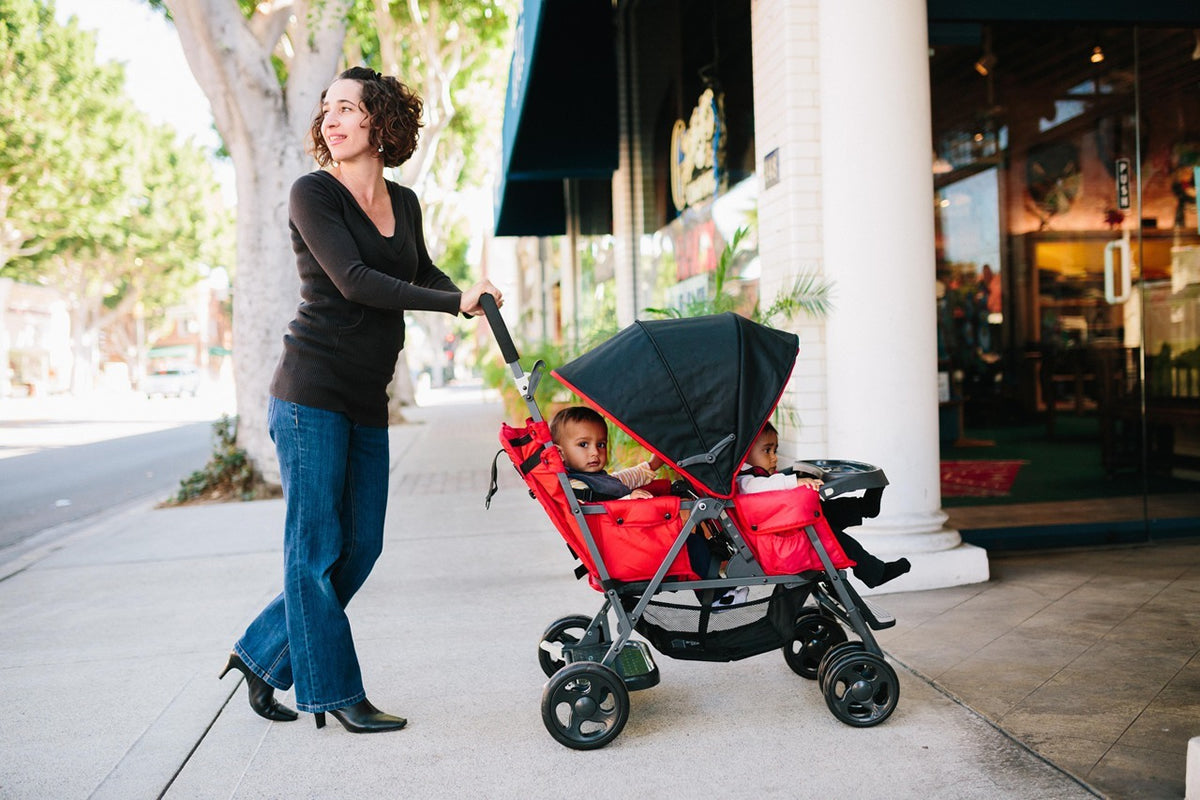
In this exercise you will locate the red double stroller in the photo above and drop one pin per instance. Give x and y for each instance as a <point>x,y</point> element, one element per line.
<point>697,392</point>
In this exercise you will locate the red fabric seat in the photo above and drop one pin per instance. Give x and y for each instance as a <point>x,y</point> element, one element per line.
<point>633,536</point>
<point>772,523</point>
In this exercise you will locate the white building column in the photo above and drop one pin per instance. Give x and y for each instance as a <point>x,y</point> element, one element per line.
<point>878,245</point>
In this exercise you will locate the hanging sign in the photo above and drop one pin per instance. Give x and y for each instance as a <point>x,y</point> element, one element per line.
<point>1123,184</point>
<point>698,152</point>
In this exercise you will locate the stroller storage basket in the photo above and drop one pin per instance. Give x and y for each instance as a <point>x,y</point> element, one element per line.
<point>702,633</point>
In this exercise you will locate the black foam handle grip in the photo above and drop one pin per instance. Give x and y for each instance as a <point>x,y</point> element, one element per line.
<point>499,329</point>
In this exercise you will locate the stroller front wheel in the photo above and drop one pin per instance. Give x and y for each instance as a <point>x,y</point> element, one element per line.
<point>861,689</point>
<point>585,705</point>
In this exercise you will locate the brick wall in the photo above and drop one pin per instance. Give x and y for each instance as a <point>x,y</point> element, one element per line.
<point>787,122</point>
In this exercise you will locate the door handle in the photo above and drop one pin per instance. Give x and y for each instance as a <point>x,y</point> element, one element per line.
<point>1110,293</point>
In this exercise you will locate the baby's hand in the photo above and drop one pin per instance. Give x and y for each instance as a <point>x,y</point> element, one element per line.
<point>812,483</point>
<point>640,494</point>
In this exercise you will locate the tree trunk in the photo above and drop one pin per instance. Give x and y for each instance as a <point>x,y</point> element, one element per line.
<point>266,287</point>
<point>264,126</point>
<point>401,391</point>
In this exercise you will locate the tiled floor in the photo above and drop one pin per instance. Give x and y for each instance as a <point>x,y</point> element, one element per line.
<point>1089,657</point>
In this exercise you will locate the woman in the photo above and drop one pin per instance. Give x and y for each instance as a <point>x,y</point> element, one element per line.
<point>363,263</point>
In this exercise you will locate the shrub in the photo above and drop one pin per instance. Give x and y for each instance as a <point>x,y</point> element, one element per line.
<point>228,475</point>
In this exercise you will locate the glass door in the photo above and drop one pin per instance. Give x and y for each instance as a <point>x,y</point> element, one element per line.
<point>1067,242</point>
<point>1167,291</point>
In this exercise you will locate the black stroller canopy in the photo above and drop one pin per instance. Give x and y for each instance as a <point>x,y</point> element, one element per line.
<point>696,391</point>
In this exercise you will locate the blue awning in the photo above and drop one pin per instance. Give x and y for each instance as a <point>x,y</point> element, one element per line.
<point>560,113</point>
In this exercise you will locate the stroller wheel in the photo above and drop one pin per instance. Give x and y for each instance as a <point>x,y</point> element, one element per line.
<point>861,689</point>
<point>834,653</point>
<point>585,705</point>
<point>814,634</point>
<point>568,630</point>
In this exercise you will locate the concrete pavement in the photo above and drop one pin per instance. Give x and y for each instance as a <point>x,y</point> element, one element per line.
<point>113,637</point>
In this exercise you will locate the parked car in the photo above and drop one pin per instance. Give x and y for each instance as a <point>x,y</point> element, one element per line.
<point>172,382</point>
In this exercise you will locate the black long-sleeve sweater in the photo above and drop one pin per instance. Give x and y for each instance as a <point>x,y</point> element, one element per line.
<point>340,351</point>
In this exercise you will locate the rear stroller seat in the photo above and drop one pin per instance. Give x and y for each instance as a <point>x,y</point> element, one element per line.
<point>633,536</point>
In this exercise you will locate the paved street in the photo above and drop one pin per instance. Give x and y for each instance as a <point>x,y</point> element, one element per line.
<point>64,460</point>
<point>66,484</point>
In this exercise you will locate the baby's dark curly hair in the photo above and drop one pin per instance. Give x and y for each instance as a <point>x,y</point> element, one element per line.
<point>571,414</point>
<point>395,112</point>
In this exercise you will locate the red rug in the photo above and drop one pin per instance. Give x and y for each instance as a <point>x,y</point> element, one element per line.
<point>979,478</point>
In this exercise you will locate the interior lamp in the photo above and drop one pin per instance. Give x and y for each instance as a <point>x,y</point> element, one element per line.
<point>985,64</point>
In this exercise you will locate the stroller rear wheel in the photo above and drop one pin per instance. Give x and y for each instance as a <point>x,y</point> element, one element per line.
<point>585,705</point>
<point>814,634</point>
<point>567,630</point>
<point>861,689</point>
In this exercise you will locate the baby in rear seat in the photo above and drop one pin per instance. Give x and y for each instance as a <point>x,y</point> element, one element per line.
<point>581,436</point>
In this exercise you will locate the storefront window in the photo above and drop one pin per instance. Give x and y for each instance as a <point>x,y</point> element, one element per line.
<point>1064,176</point>
<point>679,261</point>
<point>596,298</point>
<point>970,297</point>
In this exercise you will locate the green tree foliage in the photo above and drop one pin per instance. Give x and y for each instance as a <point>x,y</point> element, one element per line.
<point>452,52</point>
<point>94,199</point>
<point>228,475</point>
<point>56,105</point>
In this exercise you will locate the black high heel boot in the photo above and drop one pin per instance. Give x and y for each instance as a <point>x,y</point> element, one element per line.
<point>362,717</point>
<point>262,694</point>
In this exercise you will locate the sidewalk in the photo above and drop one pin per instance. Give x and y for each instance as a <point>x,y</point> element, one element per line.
<point>113,640</point>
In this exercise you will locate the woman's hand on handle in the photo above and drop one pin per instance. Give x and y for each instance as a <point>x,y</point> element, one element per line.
<point>469,304</point>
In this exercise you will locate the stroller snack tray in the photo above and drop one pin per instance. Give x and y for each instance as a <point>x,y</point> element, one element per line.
<point>842,477</point>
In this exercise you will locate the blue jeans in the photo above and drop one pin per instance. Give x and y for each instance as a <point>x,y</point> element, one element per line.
<point>335,483</point>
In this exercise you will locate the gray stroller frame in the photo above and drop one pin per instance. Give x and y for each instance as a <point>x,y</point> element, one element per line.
<point>591,669</point>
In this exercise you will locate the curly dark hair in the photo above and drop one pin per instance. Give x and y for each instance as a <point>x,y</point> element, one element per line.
<point>395,117</point>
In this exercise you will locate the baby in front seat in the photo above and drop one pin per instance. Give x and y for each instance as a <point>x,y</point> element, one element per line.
<point>759,474</point>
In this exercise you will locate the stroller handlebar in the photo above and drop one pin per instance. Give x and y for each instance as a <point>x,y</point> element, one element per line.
<point>499,329</point>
